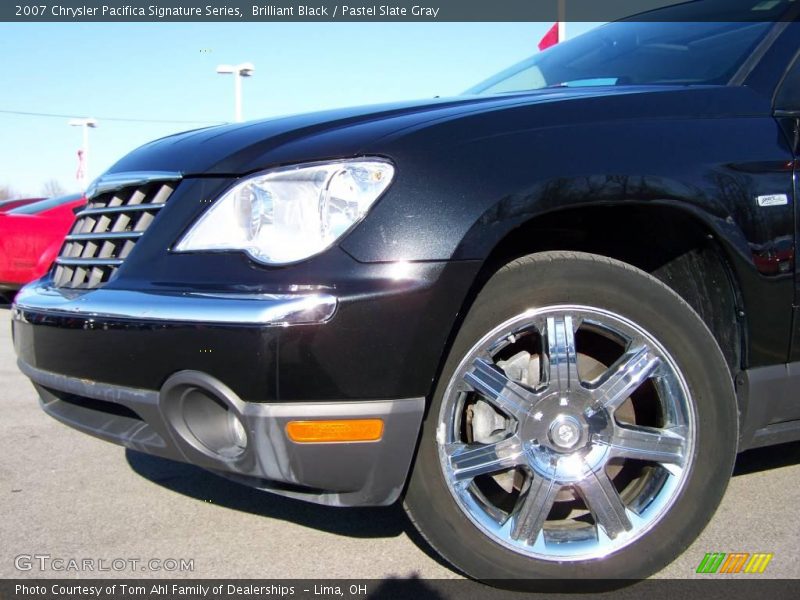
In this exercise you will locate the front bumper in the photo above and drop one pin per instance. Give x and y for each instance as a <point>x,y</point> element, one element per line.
<point>63,339</point>
<point>364,342</point>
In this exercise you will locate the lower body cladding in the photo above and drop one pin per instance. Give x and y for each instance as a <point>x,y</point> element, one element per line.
<point>195,418</point>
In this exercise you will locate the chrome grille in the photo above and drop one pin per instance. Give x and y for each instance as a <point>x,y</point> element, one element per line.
<point>106,231</point>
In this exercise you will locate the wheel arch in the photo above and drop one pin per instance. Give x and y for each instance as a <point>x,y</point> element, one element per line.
<point>673,243</point>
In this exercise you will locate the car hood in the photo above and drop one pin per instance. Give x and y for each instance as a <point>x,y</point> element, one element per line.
<point>238,149</point>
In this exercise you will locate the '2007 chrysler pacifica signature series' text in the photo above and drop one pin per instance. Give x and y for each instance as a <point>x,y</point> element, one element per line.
<point>545,314</point>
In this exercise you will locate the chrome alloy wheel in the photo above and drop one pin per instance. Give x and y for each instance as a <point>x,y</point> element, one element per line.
<point>566,433</point>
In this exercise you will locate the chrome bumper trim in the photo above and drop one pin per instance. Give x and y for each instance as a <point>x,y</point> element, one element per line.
<point>215,308</point>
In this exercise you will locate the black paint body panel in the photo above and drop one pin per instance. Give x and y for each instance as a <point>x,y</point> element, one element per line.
<point>384,342</point>
<point>469,171</point>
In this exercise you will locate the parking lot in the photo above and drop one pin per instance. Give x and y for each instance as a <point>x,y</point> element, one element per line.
<point>67,495</point>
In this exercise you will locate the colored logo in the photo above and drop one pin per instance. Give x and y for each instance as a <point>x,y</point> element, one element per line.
<point>734,562</point>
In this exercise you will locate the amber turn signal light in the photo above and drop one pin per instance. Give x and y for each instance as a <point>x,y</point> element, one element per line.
<point>341,430</point>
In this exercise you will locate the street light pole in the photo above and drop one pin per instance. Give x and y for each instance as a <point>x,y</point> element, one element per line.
<point>83,164</point>
<point>237,95</point>
<point>238,71</point>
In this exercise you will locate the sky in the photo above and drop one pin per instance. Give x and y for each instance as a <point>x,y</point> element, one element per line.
<point>166,72</point>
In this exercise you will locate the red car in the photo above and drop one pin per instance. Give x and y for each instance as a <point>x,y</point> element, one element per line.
<point>7,205</point>
<point>31,236</point>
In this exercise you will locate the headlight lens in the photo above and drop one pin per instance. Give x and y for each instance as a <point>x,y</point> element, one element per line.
<point>289,214</point>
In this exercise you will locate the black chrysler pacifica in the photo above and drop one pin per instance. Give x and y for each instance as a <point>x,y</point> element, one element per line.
<point>545,315</point>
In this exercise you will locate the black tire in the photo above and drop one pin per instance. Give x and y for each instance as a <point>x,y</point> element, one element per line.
<point>557,278</point>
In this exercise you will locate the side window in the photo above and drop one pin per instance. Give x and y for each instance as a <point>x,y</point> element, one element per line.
<point>788,97</point>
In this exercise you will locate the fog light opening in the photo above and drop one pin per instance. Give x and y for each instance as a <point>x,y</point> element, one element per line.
<point>211,424</point>
<point>238,432</point>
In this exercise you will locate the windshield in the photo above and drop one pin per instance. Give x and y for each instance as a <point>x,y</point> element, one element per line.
<point>636,53</point>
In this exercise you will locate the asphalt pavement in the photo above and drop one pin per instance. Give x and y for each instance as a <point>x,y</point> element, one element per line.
<point>66,495</point>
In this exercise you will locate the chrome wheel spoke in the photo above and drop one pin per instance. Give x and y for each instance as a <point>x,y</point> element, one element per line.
<point>647,443</point>
<point>467,461</point>
<point>625,377</point>
<point>562,440</point>
<point>531,511</point>
<point>492,383</point>
<point>562,360</point>
<point>603,500</point>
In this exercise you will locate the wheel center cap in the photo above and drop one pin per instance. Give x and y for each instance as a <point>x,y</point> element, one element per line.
<point>565,431</point>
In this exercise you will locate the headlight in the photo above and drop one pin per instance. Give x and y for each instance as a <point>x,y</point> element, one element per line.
<point>288,214</point>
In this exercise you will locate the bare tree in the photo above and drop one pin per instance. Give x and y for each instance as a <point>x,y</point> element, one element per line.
<point>6,192</point>
<point>52,187</point>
